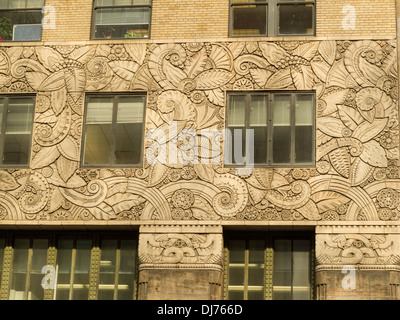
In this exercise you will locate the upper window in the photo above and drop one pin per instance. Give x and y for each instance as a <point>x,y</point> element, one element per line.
<point>21,20</point>
<point>272,17</point>
<point>118,19</point>
<point>114,130</point>
<point>16,117</point>
<point>269,267</point>
<point>273,129</point>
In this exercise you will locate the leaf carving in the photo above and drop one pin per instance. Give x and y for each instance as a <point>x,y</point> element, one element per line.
<point>303,78</point>
<point>216,96</point>
<point>45,157</point>
<point>66,168</point>
<point>280,79</point>
<point>124,69</point>
<point>213,79</point>
<point>69,148</point>
<point>367,131</point>
<point>341,161</point>
<point>374,154</point>
<point>205,172</point>
<point>307,50</point>
<point>272,52</point>
<point>157,173</point>
<point>350,116</point>
<point>360,172</point>
<point>137,52</point>
<point>331,126</point>
<point>103,212</point>
<point>75,80</point>
<point>196,64</point>
<point>7,181</point>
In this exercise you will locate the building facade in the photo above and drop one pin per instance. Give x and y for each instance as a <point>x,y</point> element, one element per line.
<point>215,149</point>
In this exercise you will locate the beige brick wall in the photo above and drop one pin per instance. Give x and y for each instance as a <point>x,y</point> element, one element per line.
<point>209,19</point>
<point>185,19</point>
<point>373,18</point>
<point>73,20</point>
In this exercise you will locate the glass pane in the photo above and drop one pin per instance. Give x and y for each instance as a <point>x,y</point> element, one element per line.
<point>282,130</point>
<point>258,123</point>
<point>122,2</point>
<point>304,129</point>
<point>249,20</point>
<point>20,269</point>
<point>35,3</point>
<point>127,270</point>
<point>128,141</point>
<point>39,259</point>
<point>18,131</point>
<point>21,25</point>
<point>104,3</point>
<point>282,280</point>
<point>122,22</point>
<point>236,265</point>
<point>64,262</point>
<point>296,19</point>
<point>17,4</point>
<point>107,269</point>
<point>236,111</point>
<point>98,130</point>
<point>256,270</point>
<point>81,271</point>
<point>301,270</point>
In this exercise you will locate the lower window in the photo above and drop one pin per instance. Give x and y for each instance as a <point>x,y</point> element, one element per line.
<point>57,267</point>
<point>269,267</point>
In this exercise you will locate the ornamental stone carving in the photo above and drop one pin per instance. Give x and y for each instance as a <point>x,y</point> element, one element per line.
<point>356,176</point>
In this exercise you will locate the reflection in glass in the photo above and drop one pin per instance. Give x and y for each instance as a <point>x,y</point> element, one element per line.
<point>304,128</point>
<point>296,19</point>
<point>129,127</point>
<point>249,20</point>
<point>282,129</point>
<point>29,257</point>
<point>98,131</point>
<point>258,123</point>
<point>18,131</point>
<point>73,265</point>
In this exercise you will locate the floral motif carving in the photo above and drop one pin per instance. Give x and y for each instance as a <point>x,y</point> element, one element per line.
<point>357,131</point>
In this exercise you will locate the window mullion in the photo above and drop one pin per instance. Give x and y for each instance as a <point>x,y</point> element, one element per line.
<point>270,129</point>
<point>72,275</point>
<point>292,129</point>
<point>268,270</point>
<point>94,269</point>
<point>117,267</point>
<point>246,272</point>
<point>114,130</point>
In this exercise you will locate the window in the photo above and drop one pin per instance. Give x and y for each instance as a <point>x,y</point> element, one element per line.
<point>269,267</point>
<point>272,17</point>
<point>118,19</point>
<point>21,20</point>
<point>114,130</point>
<point>95,266</point>
<point>273,129</point>
<point>16,117</point>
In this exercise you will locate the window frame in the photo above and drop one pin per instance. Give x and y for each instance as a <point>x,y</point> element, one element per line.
<point>272,16</point>
<point>111,164</point>
<point>268,238</point>
<point>269,160</point>
<point>3,129</point>
<point>25,9</point>
<point>93,24</point>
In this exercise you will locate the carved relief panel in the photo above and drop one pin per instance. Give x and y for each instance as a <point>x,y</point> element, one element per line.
<point>356,176</point>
